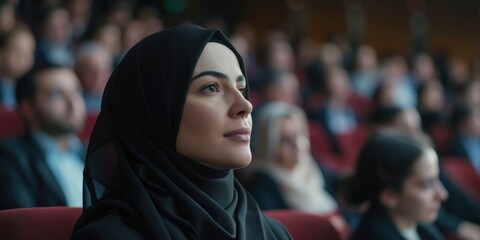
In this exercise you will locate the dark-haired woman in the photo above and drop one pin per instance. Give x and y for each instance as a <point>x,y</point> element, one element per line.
<point>398,176</point>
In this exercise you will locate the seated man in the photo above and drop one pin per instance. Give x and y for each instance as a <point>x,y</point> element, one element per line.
<point>44,166</point>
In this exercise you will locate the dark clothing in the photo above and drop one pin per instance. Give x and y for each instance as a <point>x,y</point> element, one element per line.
<point>266,191</point>
<point>133,168</point>
<point>457,208</point>
<point>25,178</point>
<point>376,224</point>
<point>112,226</point>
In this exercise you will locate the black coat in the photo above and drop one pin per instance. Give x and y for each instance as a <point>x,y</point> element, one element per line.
<point>376,224</point>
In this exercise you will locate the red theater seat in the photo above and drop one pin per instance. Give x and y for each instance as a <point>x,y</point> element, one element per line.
<point>10,123</point>
<point>52,223</point>
<point>463,174</point>
<point>305,226</point>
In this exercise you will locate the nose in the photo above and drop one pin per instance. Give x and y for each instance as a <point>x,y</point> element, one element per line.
<point>241,107</point>
<point>440,192</point>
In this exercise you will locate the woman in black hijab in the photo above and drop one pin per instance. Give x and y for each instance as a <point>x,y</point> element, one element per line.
<point>175,121</point>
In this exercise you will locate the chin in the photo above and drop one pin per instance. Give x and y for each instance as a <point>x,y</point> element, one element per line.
<point>242,164</point>
<point>430,218</point>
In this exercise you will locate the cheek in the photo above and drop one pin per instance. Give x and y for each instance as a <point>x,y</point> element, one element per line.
<point>200,117</point>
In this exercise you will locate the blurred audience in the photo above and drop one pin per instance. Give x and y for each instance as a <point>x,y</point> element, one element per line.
<point>336,114</point>
<point>423,69</point>
<point>278,85</point>
<point>44,166</point>
<point>400,88</point>
<point>284,174</point>
<point>7,16</point>
<point>466,143</point>
<point>459,214</point>
<point>365,77</point>
<point>55,42</point>
<point>17,48</point>
<point>93,67</point>
<point>431,104</point>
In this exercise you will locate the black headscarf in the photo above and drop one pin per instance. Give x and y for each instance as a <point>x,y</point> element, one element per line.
<point>133,169</point>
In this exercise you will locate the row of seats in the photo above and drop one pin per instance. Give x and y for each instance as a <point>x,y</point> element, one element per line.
<point>56,223</point>
<point>11,124</point>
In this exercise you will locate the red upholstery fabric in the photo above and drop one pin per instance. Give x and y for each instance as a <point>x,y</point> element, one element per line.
<point>305,226</point>
<point>10,123</point>
<point>52,223</point>
<point>463,174</point>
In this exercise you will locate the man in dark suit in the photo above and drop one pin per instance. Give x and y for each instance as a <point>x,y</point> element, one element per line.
<point>44,166</point>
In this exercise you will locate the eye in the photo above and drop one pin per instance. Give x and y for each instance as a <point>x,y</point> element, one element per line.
<point>243,91</point>
<point>211,88</point>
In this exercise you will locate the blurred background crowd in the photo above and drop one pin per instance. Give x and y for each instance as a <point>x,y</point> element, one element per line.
<point>340,70</point>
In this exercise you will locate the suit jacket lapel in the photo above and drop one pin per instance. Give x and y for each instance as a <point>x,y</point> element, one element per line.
<point>45,175</point>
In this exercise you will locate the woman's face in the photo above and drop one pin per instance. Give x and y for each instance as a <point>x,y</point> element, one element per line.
<point>422,192</point>
<point>293,145</point>
<point>216,122</point>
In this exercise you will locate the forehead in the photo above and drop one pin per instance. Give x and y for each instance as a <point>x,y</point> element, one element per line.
<point>291,123</point>
<point>216,56</point>
<point>56,78</point>
<point>426,166</point>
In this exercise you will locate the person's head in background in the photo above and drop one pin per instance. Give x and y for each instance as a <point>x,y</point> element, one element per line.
<point>17,48</point>
<point>337,87</point>
<point>394,68</point>
<point>120,13</point>
<point>424,68</point>
<point>278,85</point>
<point>55,26</point>
<point>81,14</point>
<point>468,92</point>
<point>366,59</point>
<point>133,31</point>
<point>398,174</point>
<point>431,96</point>
<point>365,77</point>
<point>110,35</point>
<point>458,71</point>
<point>307,52</point>
<point>465,120</point>
<point>7,16</point>
<point>387,118</point>
<point>330,55</point>
<point>431,103</point>
<point>150,16</point>
<point>93,67</point>
<point>281,135</point>
<point>277,52</point>
<point>50,100</point>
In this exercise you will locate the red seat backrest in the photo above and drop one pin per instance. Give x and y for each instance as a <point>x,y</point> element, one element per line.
<point>305,226</point>
<point>10,123</point>
<point>463,174</point>
<point>52,223</point>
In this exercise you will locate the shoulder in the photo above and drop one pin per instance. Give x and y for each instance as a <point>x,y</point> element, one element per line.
<point>108,227</point>
<point>19,146</point>
<point>376,225</point>
<point>429,232</point>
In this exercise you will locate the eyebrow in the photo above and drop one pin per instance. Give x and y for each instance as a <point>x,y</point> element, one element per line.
<point>220,75</point>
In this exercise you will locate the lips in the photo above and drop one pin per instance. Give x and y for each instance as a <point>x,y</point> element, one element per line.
<point>240,134</point>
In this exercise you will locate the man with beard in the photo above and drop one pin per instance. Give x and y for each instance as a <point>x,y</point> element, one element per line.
<point>44,166</point>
